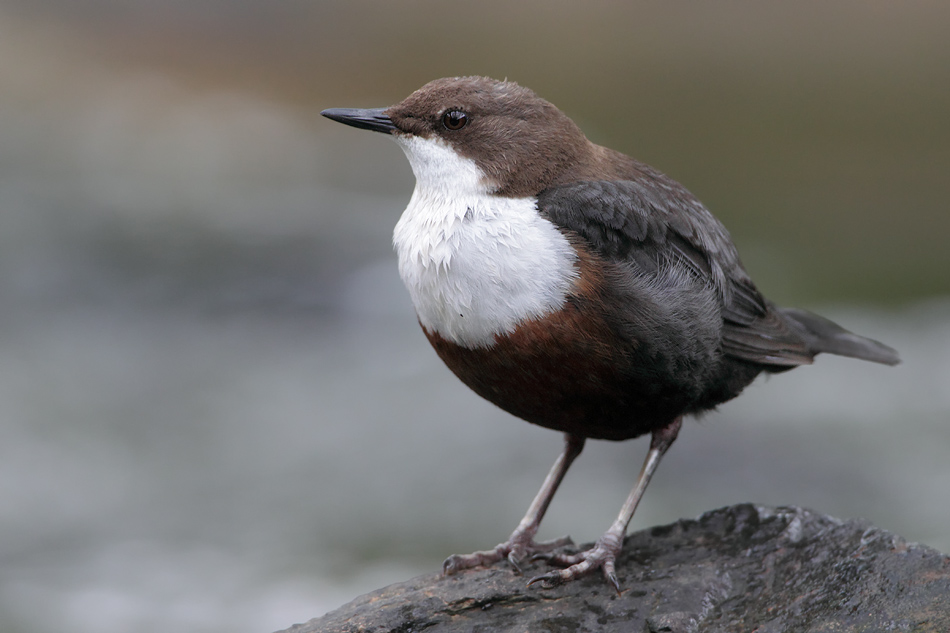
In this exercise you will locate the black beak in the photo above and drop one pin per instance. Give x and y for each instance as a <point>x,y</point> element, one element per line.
<point>372,119</point>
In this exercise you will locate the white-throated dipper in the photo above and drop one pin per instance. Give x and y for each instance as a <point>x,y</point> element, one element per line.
<point>576,288</point>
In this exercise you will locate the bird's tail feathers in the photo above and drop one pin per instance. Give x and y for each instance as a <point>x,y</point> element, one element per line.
<point>823,335</point>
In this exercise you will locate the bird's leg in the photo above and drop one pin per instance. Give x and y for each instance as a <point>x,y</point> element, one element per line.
<point>605,551</point>
<point>521,542</point>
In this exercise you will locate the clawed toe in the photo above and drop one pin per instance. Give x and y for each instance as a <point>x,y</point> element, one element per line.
<point>559,559</point>
<point>549,580</point>
<point>457,562</point>
<point>515,550</point>
<point>602,556</point>
<point>454,564</point>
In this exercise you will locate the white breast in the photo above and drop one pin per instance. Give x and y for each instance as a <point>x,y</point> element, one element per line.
<point>476,265</point>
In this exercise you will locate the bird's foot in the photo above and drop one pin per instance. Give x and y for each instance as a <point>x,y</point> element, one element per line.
<point>517,548</point>
<point>603,556</point>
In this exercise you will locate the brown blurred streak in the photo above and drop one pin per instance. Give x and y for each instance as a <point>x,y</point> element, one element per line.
<point>294,51</point>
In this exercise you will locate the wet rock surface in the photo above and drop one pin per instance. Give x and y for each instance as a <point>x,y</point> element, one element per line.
<point>736,569</point>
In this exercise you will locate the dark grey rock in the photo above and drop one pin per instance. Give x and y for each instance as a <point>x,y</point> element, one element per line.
<point>739,569</point>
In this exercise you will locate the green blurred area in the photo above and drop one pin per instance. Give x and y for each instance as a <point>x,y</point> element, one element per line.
<point>818,132</point>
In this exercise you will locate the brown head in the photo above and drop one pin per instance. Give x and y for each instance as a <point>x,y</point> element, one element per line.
<point>521,143</point>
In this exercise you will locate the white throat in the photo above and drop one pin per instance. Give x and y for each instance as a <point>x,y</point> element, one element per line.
<point>476,265</point>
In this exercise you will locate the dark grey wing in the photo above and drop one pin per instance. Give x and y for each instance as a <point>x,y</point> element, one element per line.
<point>654,222</point>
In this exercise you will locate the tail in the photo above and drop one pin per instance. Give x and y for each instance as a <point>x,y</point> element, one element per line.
<point>822,335</point>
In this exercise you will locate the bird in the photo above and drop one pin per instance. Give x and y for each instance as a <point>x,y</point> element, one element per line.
<point>576,288</point>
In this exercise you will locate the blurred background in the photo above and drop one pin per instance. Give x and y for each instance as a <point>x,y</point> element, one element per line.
<point>217,412</point>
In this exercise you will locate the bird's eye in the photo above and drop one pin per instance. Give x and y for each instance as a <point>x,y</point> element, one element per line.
<point>454,120</point>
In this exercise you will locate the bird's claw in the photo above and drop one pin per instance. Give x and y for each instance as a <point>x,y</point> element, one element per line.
<point>457,562</point>
<point>603,556</point>
<point>514,559</point>
<point>516,549</point>
<point>549,580</point>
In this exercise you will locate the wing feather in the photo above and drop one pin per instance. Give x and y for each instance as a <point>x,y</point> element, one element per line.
<point>652,222</point>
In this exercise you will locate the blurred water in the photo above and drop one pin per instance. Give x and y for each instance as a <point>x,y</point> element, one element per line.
<point>187,471</point>
<point>217,412</point>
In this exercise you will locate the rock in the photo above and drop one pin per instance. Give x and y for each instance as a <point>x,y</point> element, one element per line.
<point>739,569</point>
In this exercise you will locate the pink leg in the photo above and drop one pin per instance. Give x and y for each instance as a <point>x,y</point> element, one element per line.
<point>604,553</point>
<point>521,542</point>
